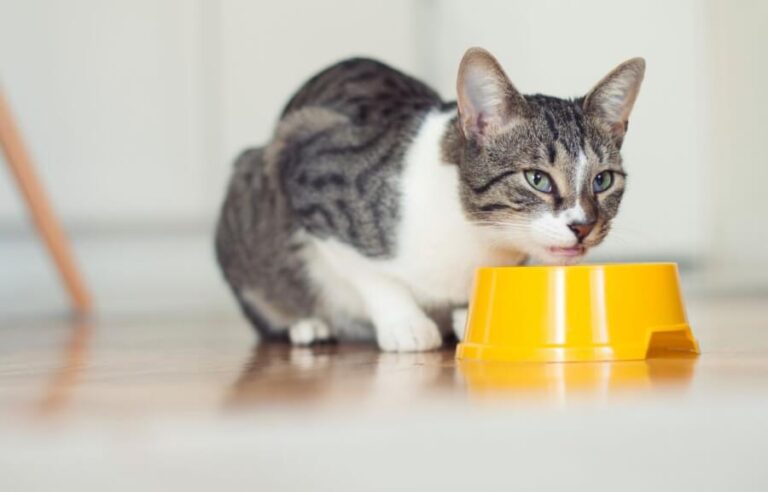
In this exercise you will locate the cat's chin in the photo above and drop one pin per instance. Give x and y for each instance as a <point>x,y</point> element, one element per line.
<point>557,255</point>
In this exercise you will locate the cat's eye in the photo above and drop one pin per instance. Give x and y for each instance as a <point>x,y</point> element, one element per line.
<point>602,181</point>
<point>539,180</point>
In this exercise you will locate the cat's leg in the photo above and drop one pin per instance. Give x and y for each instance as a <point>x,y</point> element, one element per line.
<point>353,288</point>
<point>459,322</point>
<point>400,324</point>
<point>309,331</point>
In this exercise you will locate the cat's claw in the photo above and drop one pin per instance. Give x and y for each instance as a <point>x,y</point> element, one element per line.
<point>408,335</point>
<point>308,331</point>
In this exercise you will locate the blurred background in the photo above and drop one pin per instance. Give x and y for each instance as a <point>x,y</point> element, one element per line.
<point>134,110</point>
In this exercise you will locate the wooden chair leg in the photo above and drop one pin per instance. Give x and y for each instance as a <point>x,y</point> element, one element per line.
<point>21,165</point>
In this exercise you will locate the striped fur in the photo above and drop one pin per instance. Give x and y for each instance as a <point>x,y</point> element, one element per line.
<point>375,199</point>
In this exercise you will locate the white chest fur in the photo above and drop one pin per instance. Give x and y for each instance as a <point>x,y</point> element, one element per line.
<point>437,248</point>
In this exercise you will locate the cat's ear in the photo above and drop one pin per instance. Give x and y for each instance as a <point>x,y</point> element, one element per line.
<point>487,100</point>
<point>611,100</point>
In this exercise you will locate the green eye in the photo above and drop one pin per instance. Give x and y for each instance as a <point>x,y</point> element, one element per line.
<point>602,181</point>
<point>539,180</point>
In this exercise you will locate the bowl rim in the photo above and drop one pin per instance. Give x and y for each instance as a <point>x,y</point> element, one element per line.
<point>582,266</point>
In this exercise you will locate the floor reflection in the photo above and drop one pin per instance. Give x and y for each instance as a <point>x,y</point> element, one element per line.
<point>558,381</point>
<point>332,375</point>
<point>58,392</point>
<point>281,375</point>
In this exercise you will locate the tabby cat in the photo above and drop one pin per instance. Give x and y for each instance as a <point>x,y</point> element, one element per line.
<point>374,201</point>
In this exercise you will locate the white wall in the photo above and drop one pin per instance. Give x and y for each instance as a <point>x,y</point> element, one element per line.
<point>135,108</point>
<point>737,40</point>
<point>107,94</point>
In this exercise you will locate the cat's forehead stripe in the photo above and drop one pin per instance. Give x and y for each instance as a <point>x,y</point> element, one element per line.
<point>581,171</point>
<point>562,122</point>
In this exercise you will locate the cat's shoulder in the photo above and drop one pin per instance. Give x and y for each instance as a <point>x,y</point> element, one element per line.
<point>363,82</point>
<point>357,69</point>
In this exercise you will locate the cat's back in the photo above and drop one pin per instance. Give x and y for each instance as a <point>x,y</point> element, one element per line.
<point>339,149</point>
<point>367,91</point>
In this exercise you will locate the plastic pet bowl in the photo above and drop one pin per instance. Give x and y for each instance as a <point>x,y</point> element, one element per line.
<point>576,313</point>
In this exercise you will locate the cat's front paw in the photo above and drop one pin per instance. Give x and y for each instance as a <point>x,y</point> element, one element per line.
<point>415,334</point>
<point>309,331</point>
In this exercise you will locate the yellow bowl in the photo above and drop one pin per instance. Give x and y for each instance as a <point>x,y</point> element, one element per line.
<point>576,313</point>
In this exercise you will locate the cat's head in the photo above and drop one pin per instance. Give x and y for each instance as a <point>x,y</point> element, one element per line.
<point>540,174</point>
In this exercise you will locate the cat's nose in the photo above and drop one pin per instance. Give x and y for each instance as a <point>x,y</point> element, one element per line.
<point>581,230</point>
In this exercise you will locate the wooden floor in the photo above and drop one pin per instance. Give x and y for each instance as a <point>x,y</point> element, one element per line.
<point>175,401</point>
<point>70,371</point>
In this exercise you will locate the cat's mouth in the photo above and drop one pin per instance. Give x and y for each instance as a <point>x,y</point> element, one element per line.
<point>561,255</point>
<point>567,252</point>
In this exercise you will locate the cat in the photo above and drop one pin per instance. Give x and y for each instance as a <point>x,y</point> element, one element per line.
<point>374,201</point>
